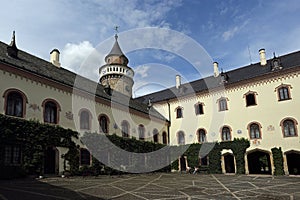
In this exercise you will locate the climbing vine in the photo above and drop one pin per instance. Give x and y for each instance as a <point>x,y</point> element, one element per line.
<point>33,138</point>
<point>278,161</point>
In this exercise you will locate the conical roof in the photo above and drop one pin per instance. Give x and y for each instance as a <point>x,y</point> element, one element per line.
<point>116,49</point>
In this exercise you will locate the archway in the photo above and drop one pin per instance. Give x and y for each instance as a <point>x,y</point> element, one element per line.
<point>259,162</point>
<point>51,161</point>
<point>293,162</point>
<point>229,163</point>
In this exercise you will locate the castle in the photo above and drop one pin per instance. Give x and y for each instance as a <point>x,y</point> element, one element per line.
<point>258,102</point>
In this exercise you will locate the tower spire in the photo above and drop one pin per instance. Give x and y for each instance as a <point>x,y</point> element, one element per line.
<point>12,49</point>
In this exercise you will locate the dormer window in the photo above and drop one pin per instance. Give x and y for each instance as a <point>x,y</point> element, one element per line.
<point>276,65</point>
<point>224,78</point>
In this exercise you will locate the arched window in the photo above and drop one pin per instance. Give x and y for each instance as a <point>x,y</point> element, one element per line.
<point>141,131</point>
<point>85,120</point>
<point>283,92</point>
<point>226,133</point>
<point>201,134</point>
<point>179,112</point>
<point>165,138</point>
<point>254,131</point>
<point>180,136</point>
<point>223,104</point>
<point>125,128</point>
<point>51,111</point>
<point>289,128</point>
<point>103,123</point>
<point>15,103</point>
<point>155,135</point>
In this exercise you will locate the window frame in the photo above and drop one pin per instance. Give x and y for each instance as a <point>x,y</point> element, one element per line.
<point>84,110</point>
<point>259,129</point>
<point>58,109</point>
<point>127,125</point>
<point>141,132</point>
<point>24,101</point>
<point>287,91</point>
<point>221,106</point>
<point>85,158</point>
<point>9,157</point>
<point>254,98</point>
<point>107,122</point>
<point>179,135</point>
<point>199,108</point>
<point>198,135</point>
<point>179,112</point>
<point>230,133</point>
<point>295,123</point>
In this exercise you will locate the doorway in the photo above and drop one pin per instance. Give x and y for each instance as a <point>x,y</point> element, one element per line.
<point>259,162</point>
<point>293,162</point>
<point>229,163</point>
<point>51,160</point>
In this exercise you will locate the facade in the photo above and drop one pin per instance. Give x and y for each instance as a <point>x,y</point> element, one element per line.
<point>35,89</point>
<point>258,102</point>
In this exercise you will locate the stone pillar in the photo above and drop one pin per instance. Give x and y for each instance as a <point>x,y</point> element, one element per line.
<point>285,165</point>
<point>246,164</point>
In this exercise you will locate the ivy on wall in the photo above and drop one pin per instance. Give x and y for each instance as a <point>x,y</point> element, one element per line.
<point>33,139</point>
<point>278,161</point>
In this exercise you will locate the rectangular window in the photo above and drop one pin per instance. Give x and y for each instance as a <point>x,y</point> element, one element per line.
<point>85,157</point>
<point>222,105</point>
<point>12,155</point>
<point>199,109</point>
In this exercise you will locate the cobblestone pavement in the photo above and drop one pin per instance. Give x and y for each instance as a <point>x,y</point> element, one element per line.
<point>154,186</point>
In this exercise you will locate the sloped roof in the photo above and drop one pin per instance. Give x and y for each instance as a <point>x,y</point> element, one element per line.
<point>236,76</point>
<point>32,64</point>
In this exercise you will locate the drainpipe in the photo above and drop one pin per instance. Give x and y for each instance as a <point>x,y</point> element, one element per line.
<point>169,109</point>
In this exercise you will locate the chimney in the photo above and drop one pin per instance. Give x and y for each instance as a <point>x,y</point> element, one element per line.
<point>178,81</point>
<point>262,57</point>
<point>216,69</point>
<point>54,57</point>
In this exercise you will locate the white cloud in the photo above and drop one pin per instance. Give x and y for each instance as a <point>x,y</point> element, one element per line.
<point>142,71</point>
<point>230,33</point>
<point>82,58</point>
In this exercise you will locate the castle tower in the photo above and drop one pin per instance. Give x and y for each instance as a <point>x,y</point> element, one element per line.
<point>115,73</point>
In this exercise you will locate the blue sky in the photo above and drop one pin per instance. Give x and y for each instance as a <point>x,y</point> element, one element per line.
<point>229,32</point>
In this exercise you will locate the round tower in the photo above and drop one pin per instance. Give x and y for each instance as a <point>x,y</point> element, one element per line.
<point>115,73</point>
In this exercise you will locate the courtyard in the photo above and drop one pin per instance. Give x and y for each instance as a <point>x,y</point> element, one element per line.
<point>154,186</point>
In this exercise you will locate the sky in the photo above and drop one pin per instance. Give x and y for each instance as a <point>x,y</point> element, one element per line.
<point>161,38</point>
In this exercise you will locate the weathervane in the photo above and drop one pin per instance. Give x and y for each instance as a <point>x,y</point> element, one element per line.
<point>117,31</point>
